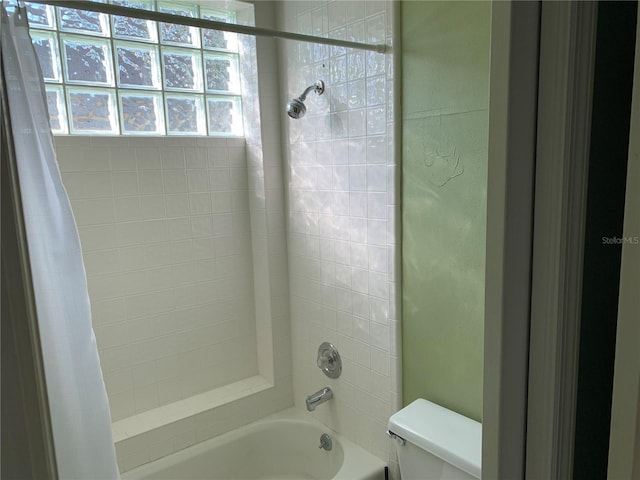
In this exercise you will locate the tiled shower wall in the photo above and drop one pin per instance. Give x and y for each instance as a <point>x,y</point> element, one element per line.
<point>164,226</point>
<point>342,208</point>
<point>245,182</point>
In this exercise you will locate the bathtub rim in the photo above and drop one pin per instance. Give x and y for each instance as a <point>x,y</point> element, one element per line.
<point>356,459</point>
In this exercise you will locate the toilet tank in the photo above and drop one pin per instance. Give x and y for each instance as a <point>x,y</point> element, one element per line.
<point>435,443</point>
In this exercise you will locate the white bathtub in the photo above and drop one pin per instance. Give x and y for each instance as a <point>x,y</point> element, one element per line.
<point>279,447</point>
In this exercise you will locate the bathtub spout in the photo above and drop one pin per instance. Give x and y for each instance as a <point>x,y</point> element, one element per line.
<point>319,397</point>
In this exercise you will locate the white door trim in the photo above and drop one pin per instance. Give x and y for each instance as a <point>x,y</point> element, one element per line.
<point>567,57</point>
<point>624,441</point>
<point>512,143</point>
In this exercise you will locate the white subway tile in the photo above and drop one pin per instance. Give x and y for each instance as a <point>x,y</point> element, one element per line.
<point>354,10</point>
<point>177,205</point>
<point>127,209</point>
<point>146,397</point>
<point>125,183</point>
<point>201,226</point>
<point>199,203</point>
<point>362,354</point>
<point>122,158</point>
<point>380,336</point>
<point>98,184</point>
<point>105,287</point>
<point>148,158</point>
<point>174,181</point>
<point>359,257</point>
<point>112,335</point>
<point>173,158</point>
<point>337,14</point>
<point>104,261</point>
<point>118,381</point>
<point>377,202</point>
<point>94,211</point>
<point>159,278</point>
<point>357,123</point>
<point>116,358</point>
<point>376,149</point>
<point>358,230</point>
<point>180,228</point>
<point>378,285</point>
<point>98,237</point>
<point>155,231</point>
<point>107,311</point>
<point>122,405</point>
<point>360,329</point>
<point>158,254</point>
<point>357,178</point>
<point>219,179</point>
<point>150,181</point>
<point>356,95</point>
<point>380,310</point>
<point>153,207</point>
<point>195,157</point>
<point>197,180</point>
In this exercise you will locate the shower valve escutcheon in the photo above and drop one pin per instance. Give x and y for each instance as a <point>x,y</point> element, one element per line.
<point>329,360</point>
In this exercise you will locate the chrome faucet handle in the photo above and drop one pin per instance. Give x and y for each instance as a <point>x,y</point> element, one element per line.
<point>329,360</point>
<point>326,442</point>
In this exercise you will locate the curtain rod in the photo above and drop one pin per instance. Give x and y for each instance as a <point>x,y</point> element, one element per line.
<point>208,24</point>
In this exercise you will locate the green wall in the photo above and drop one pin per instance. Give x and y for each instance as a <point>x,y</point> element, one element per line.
<point>445,88</point>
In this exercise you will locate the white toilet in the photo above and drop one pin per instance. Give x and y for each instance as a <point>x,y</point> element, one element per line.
<point>434,443</point>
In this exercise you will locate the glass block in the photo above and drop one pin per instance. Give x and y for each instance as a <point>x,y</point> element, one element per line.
<point>179,34</point>
<point>141,113</point>
<point>356,65</point>
<point>224,115</point>
<point>376,92</point>
<point>134,28</point>
<point>57,111</point>
<point>185,114</point>
<point>215,39</point>
<point>137,65</point>
<point>46,46</point>
<point>221,73</point>
<point>92,110</point>
<point>81,21</point>
<point>87,60</point>
<point>41,16</point>
<point>182,69</point>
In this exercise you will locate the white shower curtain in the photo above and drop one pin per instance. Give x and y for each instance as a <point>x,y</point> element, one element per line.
<point>79,408</point>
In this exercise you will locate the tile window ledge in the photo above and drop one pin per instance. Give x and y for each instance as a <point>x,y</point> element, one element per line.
<point>157,418</point>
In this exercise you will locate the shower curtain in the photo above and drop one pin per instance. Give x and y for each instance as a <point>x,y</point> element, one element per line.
<point>79,409</point>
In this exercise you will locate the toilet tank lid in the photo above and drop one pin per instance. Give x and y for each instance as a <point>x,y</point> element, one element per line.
<point>448,435</point>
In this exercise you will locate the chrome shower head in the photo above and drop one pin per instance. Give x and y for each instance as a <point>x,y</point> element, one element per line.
<point>296,107</point>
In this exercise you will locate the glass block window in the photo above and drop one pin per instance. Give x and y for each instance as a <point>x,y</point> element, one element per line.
<point>114,75</point>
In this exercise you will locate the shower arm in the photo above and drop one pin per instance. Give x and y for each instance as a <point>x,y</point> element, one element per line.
<point>318,87</point>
